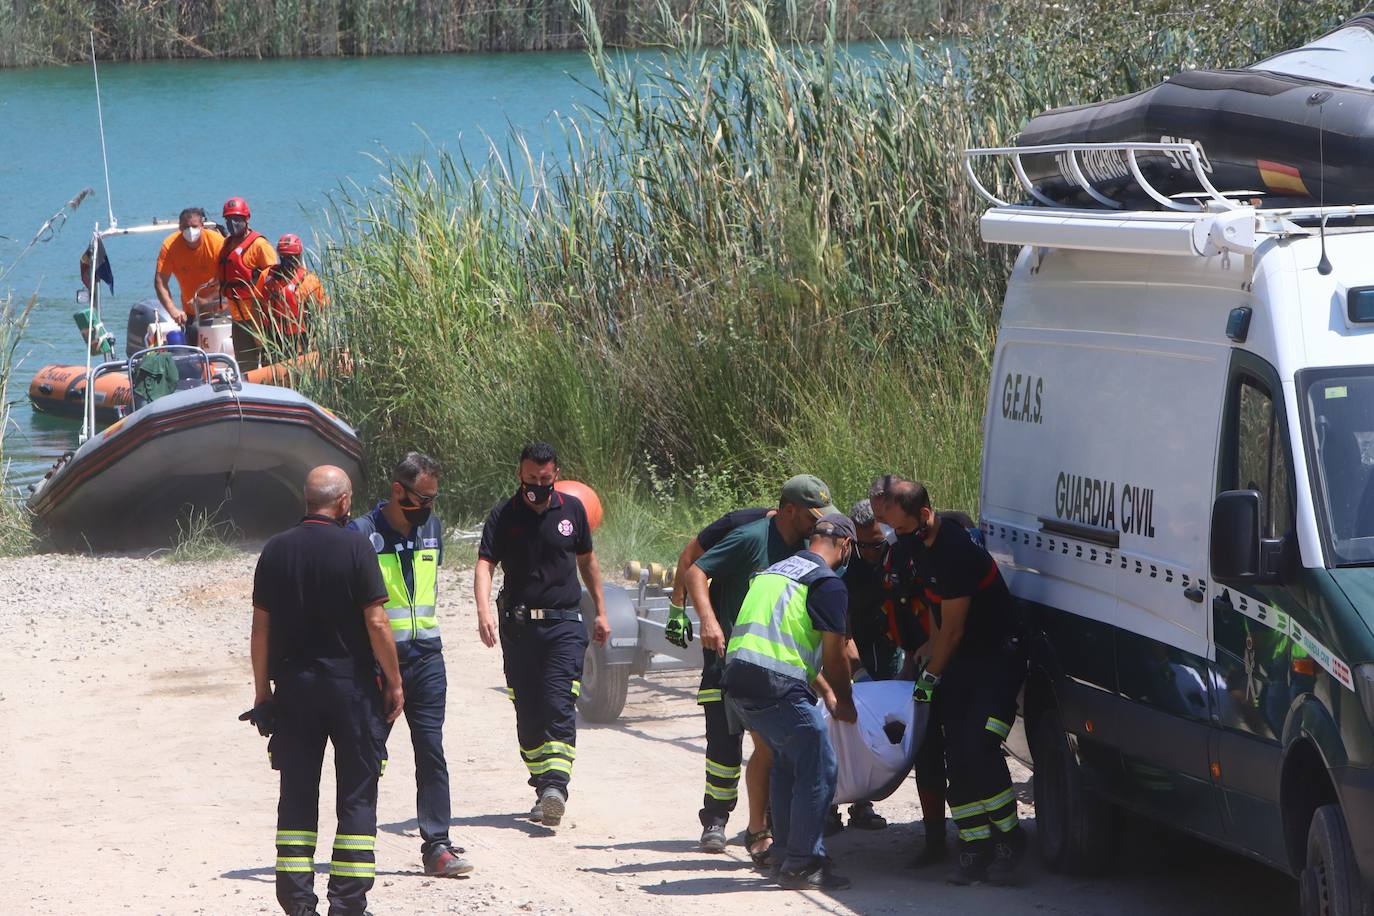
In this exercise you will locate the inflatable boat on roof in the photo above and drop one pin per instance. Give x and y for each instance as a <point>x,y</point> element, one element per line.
<point>1296,128</point>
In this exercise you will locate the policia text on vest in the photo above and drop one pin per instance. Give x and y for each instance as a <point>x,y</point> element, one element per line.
<point>792,622</point>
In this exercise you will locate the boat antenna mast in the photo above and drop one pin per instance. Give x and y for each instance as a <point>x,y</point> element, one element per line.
<point>100,119</point>
<point>95,252</point>
<point>1319,99</point>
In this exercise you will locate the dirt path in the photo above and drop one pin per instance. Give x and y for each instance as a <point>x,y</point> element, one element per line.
<point>129,786</point>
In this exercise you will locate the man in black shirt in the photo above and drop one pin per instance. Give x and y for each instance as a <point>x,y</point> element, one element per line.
<point>705,539</point>
<point>541,540</point>
<point>977,663</point>
<point>320,630</point>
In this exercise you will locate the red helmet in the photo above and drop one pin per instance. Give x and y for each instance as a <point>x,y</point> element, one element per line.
<point>290,244</point>
<point>237,206</point>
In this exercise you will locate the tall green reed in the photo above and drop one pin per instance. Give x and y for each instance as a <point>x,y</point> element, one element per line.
<point>15,533</point>
<point>749,259</point>
<point>57,31</point>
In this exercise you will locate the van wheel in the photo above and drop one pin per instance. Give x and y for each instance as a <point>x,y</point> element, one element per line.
<point>604,688</point>
<point>1330,884</point>
<point>1076,830</point>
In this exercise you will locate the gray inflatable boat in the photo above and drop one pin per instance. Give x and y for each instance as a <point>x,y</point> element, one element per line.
<point>199,442</point>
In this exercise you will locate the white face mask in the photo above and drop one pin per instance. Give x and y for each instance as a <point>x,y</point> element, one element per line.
<point>191,234</point>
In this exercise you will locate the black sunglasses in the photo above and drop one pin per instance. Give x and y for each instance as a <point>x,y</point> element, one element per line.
<point>869,545</point>
<point>420,500</point>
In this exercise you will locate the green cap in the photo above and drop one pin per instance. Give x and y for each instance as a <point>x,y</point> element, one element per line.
<point>811,492</point>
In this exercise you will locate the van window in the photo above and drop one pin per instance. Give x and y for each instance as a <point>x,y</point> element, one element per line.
<point>1261,460</point>
<point>1339,429</point>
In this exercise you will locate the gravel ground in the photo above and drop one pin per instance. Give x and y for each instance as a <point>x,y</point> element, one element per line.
<point>131,788</point>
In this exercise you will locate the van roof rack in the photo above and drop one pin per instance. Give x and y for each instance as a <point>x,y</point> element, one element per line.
<point>1201,223</point>
<point>1185,155</point>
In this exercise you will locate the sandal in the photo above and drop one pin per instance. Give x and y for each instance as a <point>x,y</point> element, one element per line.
<point>760,858</point>
<point>865,818</point>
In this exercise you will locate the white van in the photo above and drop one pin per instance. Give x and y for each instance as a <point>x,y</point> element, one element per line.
<point>1177,486</point>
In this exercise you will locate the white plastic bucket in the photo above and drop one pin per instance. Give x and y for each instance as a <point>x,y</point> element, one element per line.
<point>217,335</point>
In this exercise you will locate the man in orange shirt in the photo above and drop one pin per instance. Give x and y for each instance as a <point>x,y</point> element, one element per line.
<point>287,295</point>
<point>246,255</point>
<point>191,255</point>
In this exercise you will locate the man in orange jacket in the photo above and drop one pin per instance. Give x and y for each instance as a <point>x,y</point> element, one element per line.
<point>287,295</point>
<point>246,255</point>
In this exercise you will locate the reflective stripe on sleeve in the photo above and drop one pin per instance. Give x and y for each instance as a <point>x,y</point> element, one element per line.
<point>998,727</point>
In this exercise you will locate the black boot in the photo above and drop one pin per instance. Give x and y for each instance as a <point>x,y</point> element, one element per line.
<point>1008,849</point>
<point>972,864</point>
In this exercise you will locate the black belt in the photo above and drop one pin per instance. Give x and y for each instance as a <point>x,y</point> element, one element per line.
<point>522,614</point>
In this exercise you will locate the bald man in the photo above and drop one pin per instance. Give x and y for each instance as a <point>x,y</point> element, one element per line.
<point>320,632</point>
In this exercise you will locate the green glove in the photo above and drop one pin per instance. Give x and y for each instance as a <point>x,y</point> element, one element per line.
<point>924,691</point>
<point>679,629</point>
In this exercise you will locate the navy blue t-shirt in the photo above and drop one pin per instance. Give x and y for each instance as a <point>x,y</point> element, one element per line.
<point>715,532</point>
<point>538,551</point>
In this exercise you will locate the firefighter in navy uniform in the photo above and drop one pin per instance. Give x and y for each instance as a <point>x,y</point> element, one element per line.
<point>977,666</point>
<point>320,631</point>
<point>409,541</point>
<point>541,540</point>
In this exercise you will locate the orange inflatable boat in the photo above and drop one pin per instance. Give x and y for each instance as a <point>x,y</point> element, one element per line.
<point>61,390</point>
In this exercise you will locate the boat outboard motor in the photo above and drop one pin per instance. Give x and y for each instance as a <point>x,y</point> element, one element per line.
<point>141,318</point>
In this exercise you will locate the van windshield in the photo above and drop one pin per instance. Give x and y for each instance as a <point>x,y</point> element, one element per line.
<point>1338,407</point>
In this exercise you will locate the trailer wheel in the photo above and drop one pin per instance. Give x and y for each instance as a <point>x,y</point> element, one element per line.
<point>604,688</point>
<point>1330,883</point>
<point>1076,830</point>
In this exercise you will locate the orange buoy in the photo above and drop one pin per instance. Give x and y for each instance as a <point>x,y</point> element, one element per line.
<point>586,495</point>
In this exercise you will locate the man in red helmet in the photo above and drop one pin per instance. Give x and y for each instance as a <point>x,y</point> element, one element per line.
<point>246,255</point>
<point>287,294</point>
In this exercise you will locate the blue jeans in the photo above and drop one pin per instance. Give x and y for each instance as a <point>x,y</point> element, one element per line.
<point>425,682</point>
<point>801,785</point>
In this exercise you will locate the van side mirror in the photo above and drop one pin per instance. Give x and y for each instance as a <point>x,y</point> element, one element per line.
<point>1239,556</point>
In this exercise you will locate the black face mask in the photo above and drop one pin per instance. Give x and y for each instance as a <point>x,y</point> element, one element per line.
<point>236,225</point>
<point>417,516</point>
<point>536,494</point>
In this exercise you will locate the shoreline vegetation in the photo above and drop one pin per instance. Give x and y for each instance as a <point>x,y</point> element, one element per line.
<point>37,32</point>
<point>749,259</point>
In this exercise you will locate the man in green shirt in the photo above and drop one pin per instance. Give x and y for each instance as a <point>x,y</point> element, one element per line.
<point>726,570</point>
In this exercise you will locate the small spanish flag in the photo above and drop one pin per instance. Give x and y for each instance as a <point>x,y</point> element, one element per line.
<point>1281,179</point>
